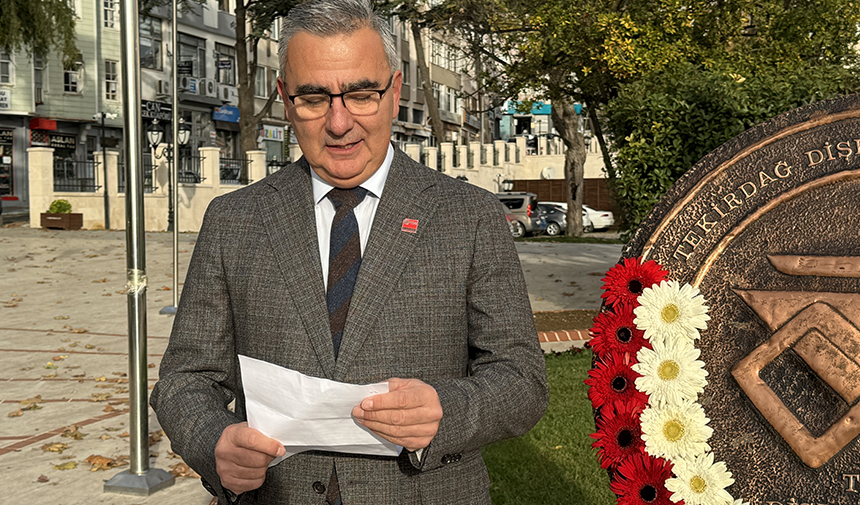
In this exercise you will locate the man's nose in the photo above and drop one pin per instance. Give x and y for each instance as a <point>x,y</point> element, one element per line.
<point>338,120</point>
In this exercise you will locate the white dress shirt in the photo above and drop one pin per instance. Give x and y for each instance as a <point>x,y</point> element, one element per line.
<point>364,212</point>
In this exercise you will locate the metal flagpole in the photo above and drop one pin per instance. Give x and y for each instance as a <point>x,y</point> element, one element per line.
<point>139,479</point>
<point>174,174</point>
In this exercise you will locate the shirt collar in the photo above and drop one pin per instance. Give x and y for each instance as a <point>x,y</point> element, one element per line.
<point>374,185</point>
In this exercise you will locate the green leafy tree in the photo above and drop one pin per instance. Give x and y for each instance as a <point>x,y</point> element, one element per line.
<point>37,26</point>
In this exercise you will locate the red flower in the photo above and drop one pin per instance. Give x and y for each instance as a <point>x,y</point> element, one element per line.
<point>625,281</point>
<point>612,380</point>
<point>619,434</point>
<point>641,480</point>
<point>615,332</point>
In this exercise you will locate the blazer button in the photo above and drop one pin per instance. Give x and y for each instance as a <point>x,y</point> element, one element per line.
<point>451,458</point>
<point>319,487</point>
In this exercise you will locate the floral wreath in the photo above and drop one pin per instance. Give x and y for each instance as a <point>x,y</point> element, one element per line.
<point>652,434</point>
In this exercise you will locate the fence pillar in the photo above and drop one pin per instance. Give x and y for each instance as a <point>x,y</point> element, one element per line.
<point>475,147</point>
<point>256,165</point>
<point>498,159</point>
<point>447,149</point>
<point>210,165</point>
<point>432,156</point>
<point>414,151</point>
<point>41,181</point>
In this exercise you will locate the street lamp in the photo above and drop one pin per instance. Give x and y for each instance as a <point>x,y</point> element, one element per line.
<point>507,185</point>
<point>154,134</point>
<point>102,116</point>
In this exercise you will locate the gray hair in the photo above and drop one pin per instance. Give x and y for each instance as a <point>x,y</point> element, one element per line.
<point>326,18</point>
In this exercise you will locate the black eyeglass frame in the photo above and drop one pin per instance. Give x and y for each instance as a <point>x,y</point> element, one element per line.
<point>332,96</point>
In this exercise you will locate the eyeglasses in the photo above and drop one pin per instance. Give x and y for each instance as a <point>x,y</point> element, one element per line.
<point>363,102</point>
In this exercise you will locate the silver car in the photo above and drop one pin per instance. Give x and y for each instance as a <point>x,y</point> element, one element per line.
<point>523,206</point>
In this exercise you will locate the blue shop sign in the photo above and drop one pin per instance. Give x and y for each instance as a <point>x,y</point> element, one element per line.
<point>227,113</point>
<point>538,108</point>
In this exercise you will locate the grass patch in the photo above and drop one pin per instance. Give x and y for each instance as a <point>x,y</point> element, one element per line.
<point>554,462</point>
<point>571,240</point>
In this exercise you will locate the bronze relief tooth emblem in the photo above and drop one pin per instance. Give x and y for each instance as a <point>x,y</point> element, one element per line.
<point>824,333</point>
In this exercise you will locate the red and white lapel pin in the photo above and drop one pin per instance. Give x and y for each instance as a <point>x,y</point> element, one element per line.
<point>409,225</point>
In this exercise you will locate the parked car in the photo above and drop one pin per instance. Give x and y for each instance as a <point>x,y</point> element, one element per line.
<point>556,219</point>
<point>586,222</point>
<point>524,206</point>
<point>600,219</point>
<point>517,229</point>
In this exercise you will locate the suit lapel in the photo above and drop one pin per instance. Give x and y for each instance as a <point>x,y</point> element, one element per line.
<point>388,251</point>
<point>288,216</point>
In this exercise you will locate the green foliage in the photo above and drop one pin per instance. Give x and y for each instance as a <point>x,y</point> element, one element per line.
<point>60,207</point>
<point>663,124</point>
<point>36,26</point>
<point>554,462</point>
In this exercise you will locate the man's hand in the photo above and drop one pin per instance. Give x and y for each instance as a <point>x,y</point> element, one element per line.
<point>242,456</point>
<point>408,415</point>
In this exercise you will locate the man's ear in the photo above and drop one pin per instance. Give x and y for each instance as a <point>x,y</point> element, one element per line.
<point>396,86</point>
<point>282,90</point>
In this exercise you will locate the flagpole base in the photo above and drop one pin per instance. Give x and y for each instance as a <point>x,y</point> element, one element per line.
<point>144,484</point>
<point>170,310</point>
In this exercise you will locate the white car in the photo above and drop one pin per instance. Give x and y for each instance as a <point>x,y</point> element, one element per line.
<point>591,219</point>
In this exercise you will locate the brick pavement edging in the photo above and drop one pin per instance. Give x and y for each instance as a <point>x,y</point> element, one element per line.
<point>563,336</point>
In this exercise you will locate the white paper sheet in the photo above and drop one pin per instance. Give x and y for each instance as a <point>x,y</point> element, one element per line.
<point>308,413</point>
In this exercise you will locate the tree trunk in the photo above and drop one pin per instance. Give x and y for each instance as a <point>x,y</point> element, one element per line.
<point>566,121</point>
<point>427,84</point>
<point>246,73</point>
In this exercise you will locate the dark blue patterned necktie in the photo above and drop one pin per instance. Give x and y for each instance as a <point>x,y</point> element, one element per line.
<point>344,258</point>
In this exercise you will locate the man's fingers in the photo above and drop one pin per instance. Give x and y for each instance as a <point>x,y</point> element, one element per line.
<point>249,438</point>
<point>402,394</point>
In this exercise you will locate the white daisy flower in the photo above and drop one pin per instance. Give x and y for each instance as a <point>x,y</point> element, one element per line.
<point>700,481</point>
<point>675,430</point>
<point>671,311</point>
<point>671,372</point>
<point>740,502</point>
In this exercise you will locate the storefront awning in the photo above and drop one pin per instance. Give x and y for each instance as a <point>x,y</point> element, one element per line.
<point>224,125</point>
<point>40,123</point>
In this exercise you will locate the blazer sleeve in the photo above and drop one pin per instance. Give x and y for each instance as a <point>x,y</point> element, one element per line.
<point>197,376</point>
<point>506,392</point>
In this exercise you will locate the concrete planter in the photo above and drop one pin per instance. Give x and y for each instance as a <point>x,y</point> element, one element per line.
<point>70,221</point>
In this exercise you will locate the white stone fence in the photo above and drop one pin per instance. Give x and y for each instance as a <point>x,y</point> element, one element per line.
<point>486,166</point>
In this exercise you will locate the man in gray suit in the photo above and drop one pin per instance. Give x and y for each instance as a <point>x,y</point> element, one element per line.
<point>432,298</point>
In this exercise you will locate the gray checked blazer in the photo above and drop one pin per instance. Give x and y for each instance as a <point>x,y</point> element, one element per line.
<point>446,305</point>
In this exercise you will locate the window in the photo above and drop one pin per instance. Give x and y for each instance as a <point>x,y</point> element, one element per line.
<point>403,114</point>
<point>150,42</point>
<point>72,76</point>
<point>438,53</point>
<point>451,100</point>
<point>405,69</point>
<point>192,53</point>
<point>226,72</point>
<point>110,80</point>
<point>418,116</point>
<point>260,83</point>
<point>224,5</point>
<point>273,82</point>
<point>404,31</point>
<point>453,59</point>
<point>5,68</point>
<point>419,83</point>
<point>437,95</point>
<point>38,79</point>
<point>110,12</point>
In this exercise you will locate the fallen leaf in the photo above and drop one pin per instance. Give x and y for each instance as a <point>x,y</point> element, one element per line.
<point>72,432</point>
<point>124,434</point>
<point>17,413</point>
<point>35,399</point>
<point>75,330</point>
<point>100,349</point>
<point>105,436</point>
<point>120,391</point>
<point>74,344</point>
<point>104,279</point>
<point>90,346</point>
<point>62,317</point>
<point>121,374</point>
<point>26,368</point>
<point>183,470</point>
<point>122,291</point>
<point>59,358</point>
<point>101,397</point>
<point>112,429</point>
<point>57,447</point>
<point>70,465</point>
<point>155,437</point>
<point>539,298</point>
<point>163,288</point>
<point>173,455</point>
<point>151,365</point>
<point>31,406</point>
<point>108,294</point>
<point>557,447</point>
<point>50,366</point>
<point>101,379</point>
<point>101,462</point>
<point>42,478</point>
<point>93,255</point>
<point>108,408</point>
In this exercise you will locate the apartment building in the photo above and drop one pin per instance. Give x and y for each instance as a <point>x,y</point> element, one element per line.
<point>78,111</point>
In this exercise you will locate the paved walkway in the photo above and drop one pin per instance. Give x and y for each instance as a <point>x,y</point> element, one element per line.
<point>64,345</point>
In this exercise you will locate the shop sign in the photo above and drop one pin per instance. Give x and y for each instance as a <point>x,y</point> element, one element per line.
<point>225,64</point>
<point>227,113</point>
<point>61,141</point>
<point>273,133</point>
<point>150,109</point>
<point>5,99</point>
<point>6,137</point>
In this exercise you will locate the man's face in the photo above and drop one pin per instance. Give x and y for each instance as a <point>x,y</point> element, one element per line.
<point>343,149</point>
